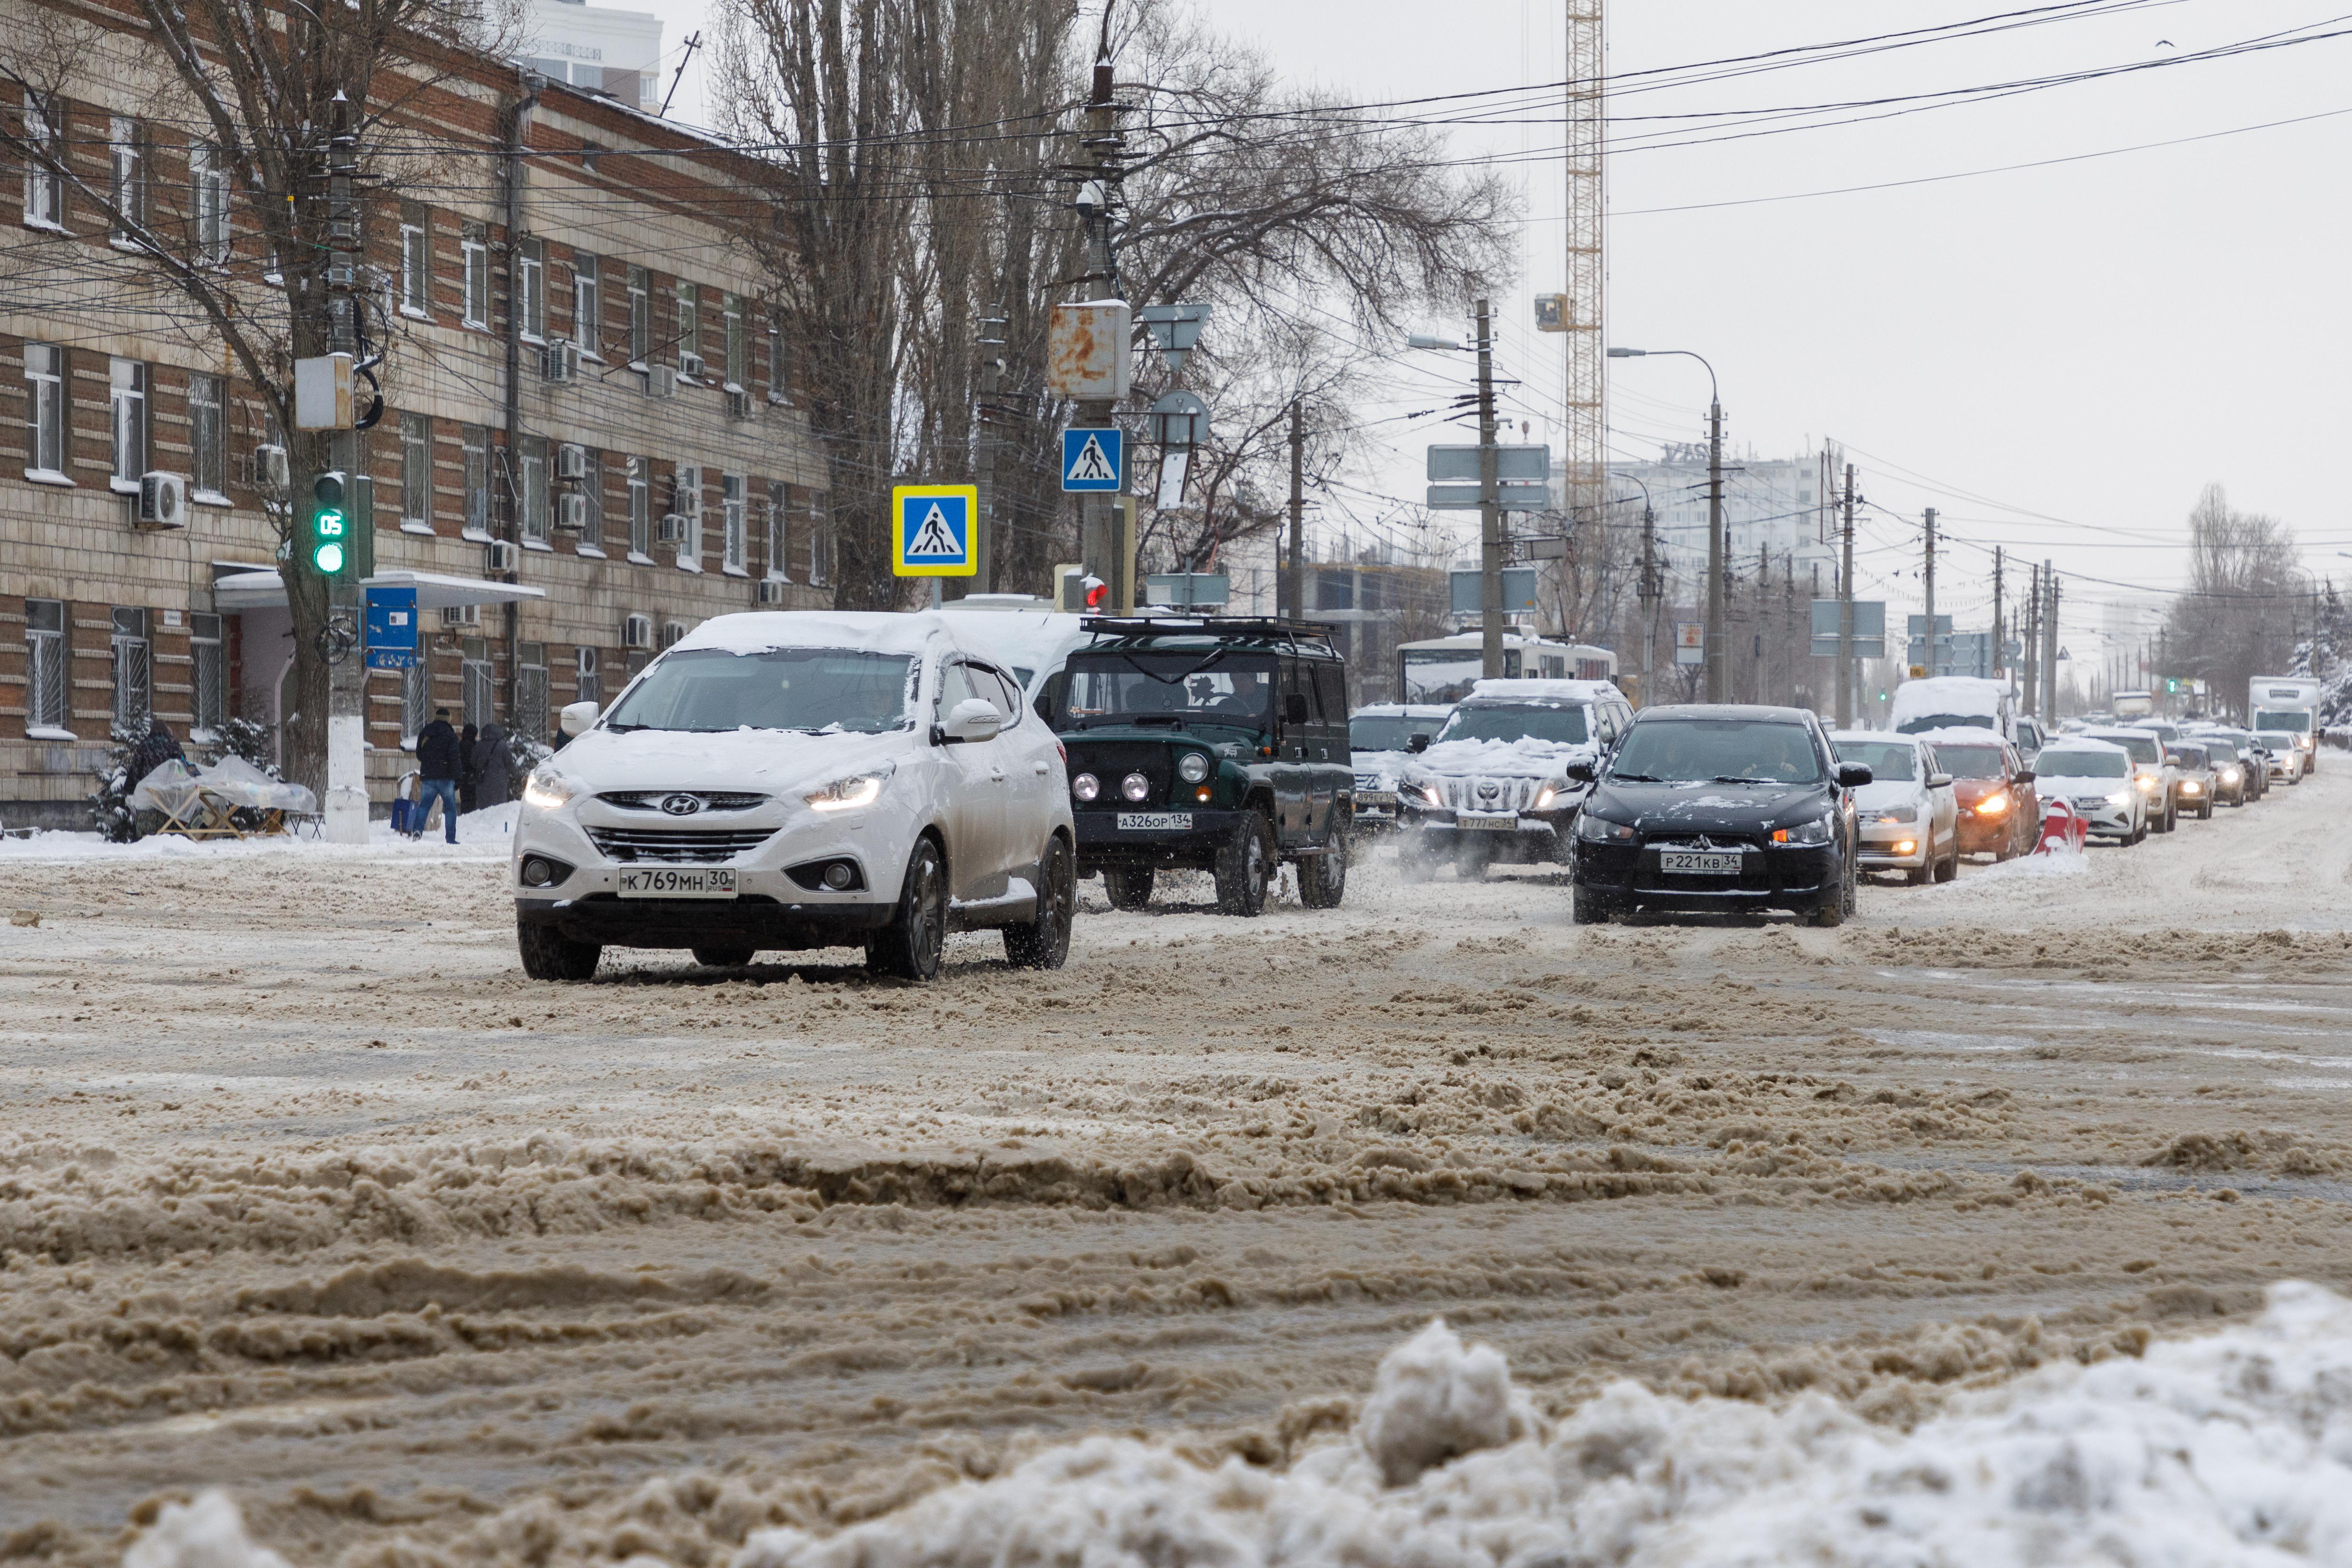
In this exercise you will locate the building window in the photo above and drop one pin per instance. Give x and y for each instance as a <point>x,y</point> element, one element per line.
<point>208,701</point>
<point>689,326</point>
<point>739,350</point>
<point>208,185</point>
<point>478,701</point>
<point>416,695</point>
<point>131,675</point>
<point>641,527</point>
<point>474,440</point>
<point>776,383</point>
<point>127,399</point>
<point>531,692</point>
<point>530,489</point>
<point>474,252</point>
<point>207,438</point>
<point>592,494</point>
<point>820,543</point>
<point>736,540</point>
<point>45,411</point>
<point>586,685</point>
<point>45,667</point>
<point>44,193</point>
<point>530,288</point>
<point>641,318</point>
<point>779,565</point>
<point>415,266</point>
<point>127,187</point>
<point>688,494</point>
<point>587,305</point>
<point>416,472</point>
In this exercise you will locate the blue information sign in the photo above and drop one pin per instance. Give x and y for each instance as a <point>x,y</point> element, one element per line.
<point>1094,459</point>
<point>391,628</point>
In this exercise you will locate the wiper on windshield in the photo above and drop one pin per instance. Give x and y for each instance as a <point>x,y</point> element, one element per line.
<point>1637,778</point>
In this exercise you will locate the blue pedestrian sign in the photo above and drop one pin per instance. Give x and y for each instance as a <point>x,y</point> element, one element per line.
<point>1094,459</point>
<point>931,534</point>
<point>391,628</point>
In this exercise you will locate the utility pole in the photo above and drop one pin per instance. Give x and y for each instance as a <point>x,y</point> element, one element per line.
<point>1649,589</point>
<point>1101,151</point>
<point>346,814</point>
<point>2033,640</point>
<point>2049,648</point>
<point>1789,641</point>
<point>1930,578</point>
<point>1718,683</point>
<point>1756,629</point>
<point>1845,613</point>
<point>2000,664</point>
<point>1490,510</point>
<point>983,528</point>
<point>1297,607</point>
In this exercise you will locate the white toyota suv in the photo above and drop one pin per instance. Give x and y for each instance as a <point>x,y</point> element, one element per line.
<point>796,781</point>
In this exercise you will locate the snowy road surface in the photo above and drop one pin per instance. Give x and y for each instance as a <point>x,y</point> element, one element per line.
<point>305,1190</point>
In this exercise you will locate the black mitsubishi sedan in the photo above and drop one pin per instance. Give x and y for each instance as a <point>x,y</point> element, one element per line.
<point>1719,809</point>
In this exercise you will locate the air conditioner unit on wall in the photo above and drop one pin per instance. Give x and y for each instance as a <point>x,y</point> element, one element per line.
<point>738,404</point>
<point>461,615</point>
<point>560,361</point>
<point>690,365</point>
<point>637,631</point>
<point>661,381</point>
<point>163,501</point>
<point>673,633</point>
<point>270,469</point>
<point>571,462</point>
<point>502,556</point>
<point>769,591</point>
<point>673,528</point>
<point>571,513</point>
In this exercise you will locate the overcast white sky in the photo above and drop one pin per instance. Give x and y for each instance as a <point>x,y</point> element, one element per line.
<point>2057,358</point>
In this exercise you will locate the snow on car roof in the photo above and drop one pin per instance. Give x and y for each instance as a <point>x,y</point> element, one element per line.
<point>1963,735</point>
<point>869,631</point>
<point>1879,735</point>
<point>1402,710</point>
<point>1952,686</point>
<point>1550,690</point>
<point>2060,751</point>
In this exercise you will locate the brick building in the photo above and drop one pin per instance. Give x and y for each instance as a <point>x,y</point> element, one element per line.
<point>646,467</point>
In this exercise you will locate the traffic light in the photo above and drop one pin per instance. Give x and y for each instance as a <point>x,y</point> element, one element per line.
<point>328,538</point>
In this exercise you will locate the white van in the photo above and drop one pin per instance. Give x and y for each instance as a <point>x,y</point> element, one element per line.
<point>800,779</point>
<point>2283,710</point>
<point>1953,702</point>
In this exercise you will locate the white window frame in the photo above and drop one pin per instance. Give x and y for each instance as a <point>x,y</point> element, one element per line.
<point>49,672</point>
<point>590,541</point>
<point>735,532</point>
<point>530,290</point>
<point>820,574</point>
<point>474,505</point>
<point>207,438</point>
<point>689,321</point>
<point>588,306</point>
<point>587,679</point>
<point>417,473</point>
<point>416,695</point>
<point>45,413</point>
<point>207,678</point>
<point>127,382</point>
<point>779,563</point>
<point>44,193</point>
<point>131,645</point>
<point>208,185</point>
<point>641,518</point>
<point>689,489</point>
<point>417,270</point>
<point>474,253</point>
<point>737,371</point>
<point>127,179</point>
<point>641,318</point>
<point>777,387</point>
<point>531,492</point>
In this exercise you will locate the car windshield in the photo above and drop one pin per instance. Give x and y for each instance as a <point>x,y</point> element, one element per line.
<point>1198,686</point>
<point>1385,731</point>
<point>1888,760</point>
<point>804,689</point>
<point>2294,721</point>
<point>2141,747</point>
<point>1970,761</point>
<point>2189,757</point>
<point>1725,751</point>
<point>1517,721</point>
<point>1926,723</point>
<point>2084,766</point>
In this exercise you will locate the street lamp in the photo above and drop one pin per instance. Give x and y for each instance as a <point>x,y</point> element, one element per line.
<point>1718,684</point>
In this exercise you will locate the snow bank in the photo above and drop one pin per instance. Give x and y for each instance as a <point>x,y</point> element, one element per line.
<point>2233,1448</point>
<point>484,834</point>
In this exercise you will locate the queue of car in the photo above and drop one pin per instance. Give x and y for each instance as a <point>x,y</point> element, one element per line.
<point>791,781</point>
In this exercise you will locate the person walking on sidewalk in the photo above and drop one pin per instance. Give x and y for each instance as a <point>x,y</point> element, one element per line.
<point>494,766</point>
<point>438,762</point>
<point>467,797</point>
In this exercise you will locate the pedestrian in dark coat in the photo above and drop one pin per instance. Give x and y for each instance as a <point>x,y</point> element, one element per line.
<point>467,797</point>
<point>493,767</point>
<point>437,761</point>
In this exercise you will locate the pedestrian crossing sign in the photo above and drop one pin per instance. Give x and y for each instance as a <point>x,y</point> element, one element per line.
<point>931,531</point>
<point>1094,459</point>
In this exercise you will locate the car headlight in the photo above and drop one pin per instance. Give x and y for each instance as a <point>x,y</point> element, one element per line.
<point>2191,787</point>
<point>1135,786</point>
<point>1814,832</point>
<point>546,789</point>
<point>2147,784</point>
<point>2121,797</point>
<point>1550,792</point>
<point>1192,766</point>
<point>1085,786</point>
<point>1895,814</point>
<point>2230,775</point>
<point>849,794</point>
<point>1993,804</point>
<point>1601,830</point>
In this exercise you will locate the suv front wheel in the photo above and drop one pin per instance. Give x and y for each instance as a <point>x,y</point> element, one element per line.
<point>910,945</point>
<point>1323,878</point>
<point>1044,941</point>
<point>1245,865</point>
<point>549,954</point>
<point>1127,887</point>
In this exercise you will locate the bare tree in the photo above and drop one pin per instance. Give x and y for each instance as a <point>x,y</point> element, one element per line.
<point>2238,617</point>
<point>254,87</point>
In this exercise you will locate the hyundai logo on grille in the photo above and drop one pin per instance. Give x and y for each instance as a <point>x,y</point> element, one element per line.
<point>681,805</point>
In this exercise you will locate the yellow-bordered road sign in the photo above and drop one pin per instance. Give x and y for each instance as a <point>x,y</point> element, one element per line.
<point>931,530</point>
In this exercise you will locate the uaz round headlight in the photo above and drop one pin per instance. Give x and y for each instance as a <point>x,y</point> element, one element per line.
<point>1192,766</point>
<point>1135,786</point>
<point>1085,786</point>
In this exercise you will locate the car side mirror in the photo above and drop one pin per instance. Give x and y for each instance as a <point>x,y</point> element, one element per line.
<point>1940,781</point>
<point>2024,775</point>
<point>577,718</point>
<point>1416,743</point>
<point>1853,775</point>
<point>1581,772</point>
<point>1294,708</point>
<point>974,719</point>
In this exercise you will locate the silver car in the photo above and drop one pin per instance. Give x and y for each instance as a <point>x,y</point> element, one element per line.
<point>1907,814</point>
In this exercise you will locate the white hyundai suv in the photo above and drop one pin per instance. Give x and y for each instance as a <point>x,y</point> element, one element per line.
<point>796,781</point>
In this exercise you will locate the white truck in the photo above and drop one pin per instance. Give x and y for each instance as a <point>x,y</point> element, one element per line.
<point>2283,709</point>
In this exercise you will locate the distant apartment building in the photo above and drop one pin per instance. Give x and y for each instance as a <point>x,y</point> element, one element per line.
<point>587,46</point>
<point>1773,504</point>
<point>646,469</point>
